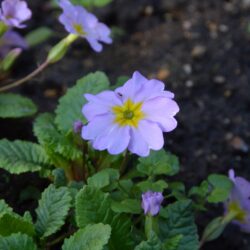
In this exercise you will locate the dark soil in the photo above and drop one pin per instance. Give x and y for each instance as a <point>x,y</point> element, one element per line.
<point>200,48</point>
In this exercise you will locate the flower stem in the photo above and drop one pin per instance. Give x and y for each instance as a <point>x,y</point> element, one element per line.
<point>124,163</point>
<point>26,78</point>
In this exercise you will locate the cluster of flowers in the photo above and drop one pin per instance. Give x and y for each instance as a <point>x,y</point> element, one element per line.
<point>12,15</point>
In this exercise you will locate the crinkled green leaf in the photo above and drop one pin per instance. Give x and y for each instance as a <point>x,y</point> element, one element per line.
<point>48,136</point>
<point>221,188</point>
<point>70,105</point>
<point>13,223</point>
<point>104,178</point>
<point>4,207</point>
<point>94,206</point>
<point>92,237</point>
<point>16,106</point>
<point>20,156</point>
<point>153,243</point>
<point>172,243</point>
<point>177,219</point>
<point>158,163</point>
<point>52,210</point>
<point>17,241</point>
<point>130,206</point>
<point>157,186</point>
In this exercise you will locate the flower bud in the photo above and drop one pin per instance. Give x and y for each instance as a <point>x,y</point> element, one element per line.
<point>151,202</point>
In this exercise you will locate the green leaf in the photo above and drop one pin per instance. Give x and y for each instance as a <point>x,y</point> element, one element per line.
<point>70,105</point>
<point>172,243</point>
<point>38,36</point>
<point>52,210</point>
<point>13,223</point>
<point>103,178</point>
<point>153,243</point>
<point>130,206</point>
<point>200,191</point>
<point>60,179</point>
<point>221,188</point>
<point>17,241</point>
<point>91,3</point>
<point>157,186</point>
<point>21,156</point>
<point>159,163</point>
<point>48,136</point>
<point>177,219</point>
<point>92,237</point>
<point>16,106</point>
<point>4,207</point>
<point>94,206</point>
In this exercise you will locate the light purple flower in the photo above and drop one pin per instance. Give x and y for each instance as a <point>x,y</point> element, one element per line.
<point>10,40</point>
<point>239,201</point>
<point>151,202</point>
<point>132,117</point>
<point>77,126</point>
<point>14,12</point>
<point>79,21</point>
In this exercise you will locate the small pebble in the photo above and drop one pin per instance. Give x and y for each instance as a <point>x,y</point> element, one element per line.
<point>219,79</point>
<point>163,74</point>
<point>198,51</point>
<point>187,69</point>
<point>239,144</point>
<point>50,93</point>
<point>189,83</point>
<point>149,10</point>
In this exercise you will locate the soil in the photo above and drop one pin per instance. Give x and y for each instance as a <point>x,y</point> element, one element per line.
<point>199,48</point>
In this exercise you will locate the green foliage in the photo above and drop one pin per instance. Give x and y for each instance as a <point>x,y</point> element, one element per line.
<point>153,243</point>
<point>92,237</point>
<point>4,207</point>
<point>157,186</point>
<point>172,243</point>
<point>60,179</point>
<point>52,210</point>
<point>159,163</point>
<point>54,141</point>
<point>127,206</point>
<point>177,219</point>
<point>91,3</point>
<point>221,188</point>
<point>70,105</point>
<point>21,156</point>
<point>13,223</point>
<point>17,241</point>
<point>94,206</point>
<point>103,178</point>
<point>38,36</point>
<point>16,106</point>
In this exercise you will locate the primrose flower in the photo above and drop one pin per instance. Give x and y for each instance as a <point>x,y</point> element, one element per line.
<point>14,12</point>
<point>11,40</point>
<point>132,117</point>
<point>79,21</point>
<point>151,202</point>
<point>239,202</point>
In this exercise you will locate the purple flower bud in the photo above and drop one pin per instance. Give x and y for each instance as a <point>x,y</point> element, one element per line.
<point>9,41</point>
<point>151,202</point>
<point>77,126</point>
<point>79,21</point>
<point>239,201</point>
<point>14,12</point>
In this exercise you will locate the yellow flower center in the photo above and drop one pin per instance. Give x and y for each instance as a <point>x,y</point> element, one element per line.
<point>240,213</point>
<point>129,114</point>
<point>79,29</point>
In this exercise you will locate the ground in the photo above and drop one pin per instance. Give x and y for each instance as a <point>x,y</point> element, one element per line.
<point>199,48</point>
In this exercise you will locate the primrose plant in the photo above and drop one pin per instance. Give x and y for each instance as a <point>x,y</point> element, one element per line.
<point>111,184</point>
<point>102,151</point>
